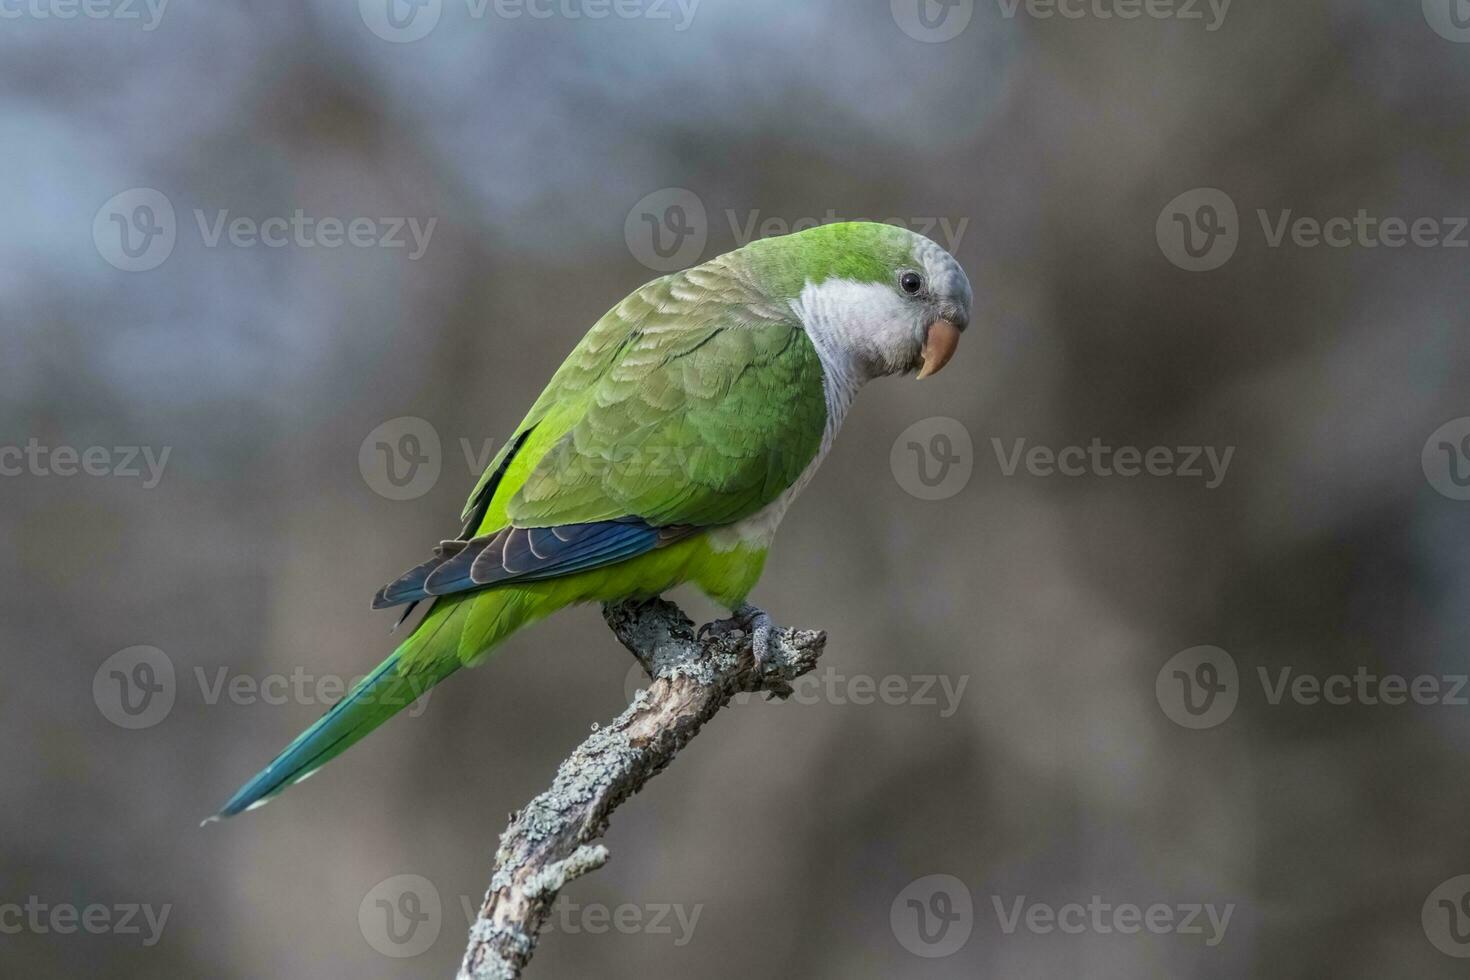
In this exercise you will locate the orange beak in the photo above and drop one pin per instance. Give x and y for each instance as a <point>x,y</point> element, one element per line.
<point>940,342</point>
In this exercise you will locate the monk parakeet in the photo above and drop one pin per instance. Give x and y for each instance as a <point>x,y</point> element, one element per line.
<point>666,449</point>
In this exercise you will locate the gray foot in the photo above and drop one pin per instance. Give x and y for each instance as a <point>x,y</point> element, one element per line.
<point>749,619</point>
<point>760,632</point>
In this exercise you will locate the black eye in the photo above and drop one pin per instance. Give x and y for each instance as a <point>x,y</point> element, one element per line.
<point>911,282</point>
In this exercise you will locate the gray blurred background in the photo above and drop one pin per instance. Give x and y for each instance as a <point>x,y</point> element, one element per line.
<point>796,839</point>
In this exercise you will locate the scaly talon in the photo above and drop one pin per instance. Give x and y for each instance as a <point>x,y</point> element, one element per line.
<point>761,626</point>
<point>747,619</point>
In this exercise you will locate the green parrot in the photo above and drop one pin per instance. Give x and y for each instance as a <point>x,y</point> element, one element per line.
<point>666,449</point>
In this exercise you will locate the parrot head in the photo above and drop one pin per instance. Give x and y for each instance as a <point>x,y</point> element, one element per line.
<point>877,298</point>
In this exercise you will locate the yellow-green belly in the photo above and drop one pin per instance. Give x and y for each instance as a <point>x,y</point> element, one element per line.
<point>475,623</point>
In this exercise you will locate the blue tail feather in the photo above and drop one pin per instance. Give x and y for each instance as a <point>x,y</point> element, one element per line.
<point>342,725</point>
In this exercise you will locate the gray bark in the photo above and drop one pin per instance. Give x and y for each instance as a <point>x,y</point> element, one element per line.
<point>550,842</point>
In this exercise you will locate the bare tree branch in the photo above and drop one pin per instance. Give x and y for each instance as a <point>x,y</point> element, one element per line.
<point>550,842</point>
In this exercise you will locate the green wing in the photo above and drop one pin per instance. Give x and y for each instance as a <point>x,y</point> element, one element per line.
<point>694,403</point>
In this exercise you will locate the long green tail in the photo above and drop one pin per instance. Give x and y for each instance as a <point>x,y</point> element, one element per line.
<point>424,659</point>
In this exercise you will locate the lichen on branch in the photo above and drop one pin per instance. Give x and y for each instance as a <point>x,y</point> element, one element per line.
<point>550,842</point>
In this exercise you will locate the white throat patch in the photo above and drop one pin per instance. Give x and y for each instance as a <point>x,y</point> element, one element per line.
<point>854,327</point>
<point>860,329</point>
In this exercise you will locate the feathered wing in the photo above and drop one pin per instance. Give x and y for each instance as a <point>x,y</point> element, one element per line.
<point>690,405</point>
<point>695,402</point>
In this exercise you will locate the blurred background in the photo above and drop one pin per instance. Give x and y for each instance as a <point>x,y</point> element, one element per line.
<point>273,276</point>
